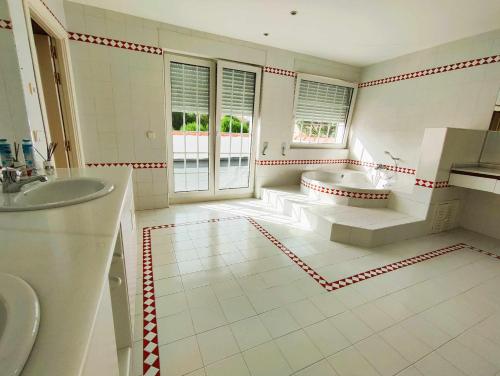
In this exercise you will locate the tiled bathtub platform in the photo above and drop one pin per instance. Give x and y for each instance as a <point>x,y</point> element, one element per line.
<point>346,224</point>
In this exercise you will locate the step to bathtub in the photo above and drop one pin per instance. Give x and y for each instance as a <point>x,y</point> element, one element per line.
<point>367,227</point>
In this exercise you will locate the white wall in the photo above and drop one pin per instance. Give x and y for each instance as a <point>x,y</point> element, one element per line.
<point>57,9</point>
<point>481,212</point>
<point>393,116</point>
<point>120,94</point>
<point>13,119</point>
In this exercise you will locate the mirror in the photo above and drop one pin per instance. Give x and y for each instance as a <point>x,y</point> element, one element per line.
<point>14,124</point>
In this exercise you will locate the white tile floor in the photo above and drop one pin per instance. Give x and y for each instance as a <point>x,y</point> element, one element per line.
<point>229,302</point>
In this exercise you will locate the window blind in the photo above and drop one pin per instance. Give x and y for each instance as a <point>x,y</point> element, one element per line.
<point>190,88</point>
<point>323,103</point>
<point>238,90</point>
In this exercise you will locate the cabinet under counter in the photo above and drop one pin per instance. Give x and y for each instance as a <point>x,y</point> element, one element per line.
<point>66,255</point>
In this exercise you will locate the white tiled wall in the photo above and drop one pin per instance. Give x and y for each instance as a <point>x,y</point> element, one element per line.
<point>481,212</point>
<point>13,119</point>
<point>120,94</point>
<point>393,116</point>
<point>399,117</point>
<point>57,9</point>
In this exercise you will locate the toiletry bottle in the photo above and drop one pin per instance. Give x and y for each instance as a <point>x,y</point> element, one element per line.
<point>29,158</point>
<point>6,153</point>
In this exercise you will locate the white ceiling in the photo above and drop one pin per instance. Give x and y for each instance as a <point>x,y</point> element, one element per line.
<point>358,32</point>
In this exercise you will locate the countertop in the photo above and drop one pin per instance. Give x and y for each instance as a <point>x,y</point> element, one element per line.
<point>64,254</point>
<point>479,171</point>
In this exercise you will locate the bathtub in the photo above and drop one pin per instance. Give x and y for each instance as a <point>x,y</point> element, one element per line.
<point>345,187</point>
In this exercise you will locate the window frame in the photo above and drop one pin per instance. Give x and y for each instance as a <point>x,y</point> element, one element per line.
<point>325,80</point>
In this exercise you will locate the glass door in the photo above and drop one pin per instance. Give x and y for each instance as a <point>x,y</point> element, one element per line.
<point>202,162</point>
<point>189,130</point>
<point>238,90</point>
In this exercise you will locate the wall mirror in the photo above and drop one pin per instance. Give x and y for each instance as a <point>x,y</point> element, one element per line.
<point>14,125</point>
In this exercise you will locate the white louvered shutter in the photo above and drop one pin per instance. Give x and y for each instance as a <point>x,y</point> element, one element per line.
<point>190,88</point>
<point>319,102</point>
<point>238,92</point>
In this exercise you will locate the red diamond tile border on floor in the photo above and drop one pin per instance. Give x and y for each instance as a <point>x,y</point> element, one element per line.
<point>151,354</point>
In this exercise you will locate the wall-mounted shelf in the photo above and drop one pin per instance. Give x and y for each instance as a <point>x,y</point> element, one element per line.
<point>476,177</point>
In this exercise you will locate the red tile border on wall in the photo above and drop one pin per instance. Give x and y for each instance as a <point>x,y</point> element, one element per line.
<point>134,165</point>
<point>109,42</point>
<point>279,71</point>
<point>431,184</point>
<point>281,162</point>
<point>151,354</point>
<point>403,170</point>
<point>436,70</point>
<point>276,162</point>
<point>5,24</point>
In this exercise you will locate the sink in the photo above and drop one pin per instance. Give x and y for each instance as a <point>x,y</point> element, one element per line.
<point>19,319</point>
<point>56,193</point>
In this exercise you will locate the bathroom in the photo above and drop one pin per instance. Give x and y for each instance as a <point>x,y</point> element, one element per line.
<point>187,194</point>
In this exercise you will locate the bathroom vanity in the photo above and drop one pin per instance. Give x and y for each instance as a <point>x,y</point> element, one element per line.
<point>485,174</point>
<point>81,261</point>
<point>481,177</point>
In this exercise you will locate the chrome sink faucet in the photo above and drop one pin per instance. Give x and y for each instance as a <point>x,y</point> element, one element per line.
<point>12,181</point>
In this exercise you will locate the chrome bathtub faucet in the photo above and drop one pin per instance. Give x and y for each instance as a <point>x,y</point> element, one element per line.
<point>12,181</point>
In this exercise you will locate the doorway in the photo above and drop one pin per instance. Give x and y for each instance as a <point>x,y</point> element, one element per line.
<point>212,114</point>
<point>49,47</point>
<point>51,91</point>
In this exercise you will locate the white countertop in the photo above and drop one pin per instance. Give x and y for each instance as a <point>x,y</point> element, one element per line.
<point>478,170</point>
<point>64,254</point>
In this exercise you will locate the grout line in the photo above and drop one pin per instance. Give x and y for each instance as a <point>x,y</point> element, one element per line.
<point>192,323</point>
<point>452,337</point>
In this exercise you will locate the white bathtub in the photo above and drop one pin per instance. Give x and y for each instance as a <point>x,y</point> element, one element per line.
<point>345,187</point>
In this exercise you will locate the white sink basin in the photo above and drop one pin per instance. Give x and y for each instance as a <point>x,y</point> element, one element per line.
<point>57,193</point>
<point>19,319</point>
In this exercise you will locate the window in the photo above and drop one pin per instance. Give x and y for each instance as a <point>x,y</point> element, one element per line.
<point>322,110</point>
